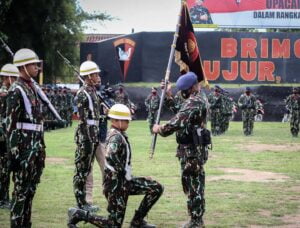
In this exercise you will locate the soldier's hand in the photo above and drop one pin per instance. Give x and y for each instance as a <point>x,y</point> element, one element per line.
<point>168,90</point>
<point>156,128</point>
<point>204,17</point>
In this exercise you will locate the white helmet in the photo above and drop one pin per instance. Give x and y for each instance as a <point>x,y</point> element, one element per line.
<point>25,56</point>
<point>119,112</point>
<point>88,67</point>
<point>9,70</point>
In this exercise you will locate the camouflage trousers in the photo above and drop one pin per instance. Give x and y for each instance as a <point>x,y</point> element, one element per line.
<point>26,176</point>
<point>117,190</point>
<point>151,120</point>
<point>294,122</point>
<point>193,183</point>
<point>4,173</point>
<point>215,122</point>
<point>84,157</point>
<point>248,121</point>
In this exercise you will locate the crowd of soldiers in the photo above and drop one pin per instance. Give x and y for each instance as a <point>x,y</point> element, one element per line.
<point>62,99</point>
<point>26,111</point>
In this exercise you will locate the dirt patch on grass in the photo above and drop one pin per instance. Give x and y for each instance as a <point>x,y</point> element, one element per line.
<point>248,175</point>
<point>56,160</point>
<point>291,221</point>
<point>255,147</point>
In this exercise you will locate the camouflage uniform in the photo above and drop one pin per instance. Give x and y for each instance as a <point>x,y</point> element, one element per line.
<point>118,184</point>
<point>152,105</point>
<point>293,104</point>
<point>226,112</point>
<point>216,106</point>
<point>121,97</point>
<point>4,170</point>
<point>86,138</point>
<point>191,115</point>
<point>26,148</point>
<point>198,11</point>
<point>247,104</point>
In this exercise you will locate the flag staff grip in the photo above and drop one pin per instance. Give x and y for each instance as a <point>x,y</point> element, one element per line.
<point>167,76</point>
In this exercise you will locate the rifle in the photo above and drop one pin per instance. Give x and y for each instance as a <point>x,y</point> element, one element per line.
<point>79,77</point>
<point>40,92</point>
<point>167,76</point>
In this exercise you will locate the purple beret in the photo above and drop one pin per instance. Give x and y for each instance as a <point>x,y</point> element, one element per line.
<point>186,81</point>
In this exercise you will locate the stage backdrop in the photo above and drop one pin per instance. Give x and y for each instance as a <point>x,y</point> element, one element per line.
<point>245,13</point>
<point>227,57</point>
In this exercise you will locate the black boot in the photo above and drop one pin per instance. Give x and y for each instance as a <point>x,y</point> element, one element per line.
<point>139,222</point>
<point>76,215</point>
<point>194,223</point>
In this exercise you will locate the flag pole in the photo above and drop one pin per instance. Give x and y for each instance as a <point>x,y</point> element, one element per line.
<point>167,76</point>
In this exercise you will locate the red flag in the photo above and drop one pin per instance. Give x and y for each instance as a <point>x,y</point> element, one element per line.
<point>187,54</point>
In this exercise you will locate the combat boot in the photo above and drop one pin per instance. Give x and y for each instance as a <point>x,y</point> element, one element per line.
<point>89,207</point>
<point>193,223</point>
<point>76,215</point>
<point>139,222</point>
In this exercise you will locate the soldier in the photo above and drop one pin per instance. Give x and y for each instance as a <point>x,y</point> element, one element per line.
<point>9,74</point>
<point>121,97</point>
<point>25,137</point>
<point>152,105</point>
<point>247,103</point>
<point>200,14</point>
<point>259,110</point>
<point>192,150</point>
<point>226,111</point>
<point>100,151</point>
<point>87,132</point>
<point>215,100</point>
<point>293,104</point>
<point>118,182</point>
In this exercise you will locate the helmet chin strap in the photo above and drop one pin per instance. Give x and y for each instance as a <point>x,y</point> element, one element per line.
<point>26,71</point>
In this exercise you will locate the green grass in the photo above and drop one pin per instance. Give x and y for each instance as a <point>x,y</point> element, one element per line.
<point>228,203</point>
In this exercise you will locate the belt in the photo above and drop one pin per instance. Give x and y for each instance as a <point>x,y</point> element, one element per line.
<point>30,126</point>
<point>92,122</point>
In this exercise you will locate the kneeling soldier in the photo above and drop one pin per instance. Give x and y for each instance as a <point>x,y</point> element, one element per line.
<point>118,182</point>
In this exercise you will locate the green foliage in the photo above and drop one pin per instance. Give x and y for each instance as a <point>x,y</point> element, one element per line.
<point>46,26</point>
<point>229,203</point>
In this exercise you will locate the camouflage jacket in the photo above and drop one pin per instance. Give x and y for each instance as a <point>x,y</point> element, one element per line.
<point>88,105</point>
<point>21,141</point>
<point>152,103</point>
<point>215,102</point>
<point>174,103</point>
<point>118,153</point>
<point>227,105</point>
<point>198,11</point>
<point>191,115</point>
<point>293,102</point>
<point>247,103</point>
<point>122,98</point>
<point>3,96</point>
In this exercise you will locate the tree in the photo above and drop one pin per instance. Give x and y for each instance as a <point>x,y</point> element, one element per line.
<point>45,26</point>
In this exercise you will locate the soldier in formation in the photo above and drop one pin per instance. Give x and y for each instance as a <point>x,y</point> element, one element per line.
<point>121,97</point>
<point>9,73</point>
<point>87,132</point>
<point>216,105</point>
<point>228,107</point>
<point>25,137</point>
<point>293,105</point>
<point>247,102</point>
<point>152,105</point>
<point>193,140</point>
<point>118,180</point>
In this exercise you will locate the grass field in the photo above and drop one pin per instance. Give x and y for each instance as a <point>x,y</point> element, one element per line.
<point>251,181</point>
